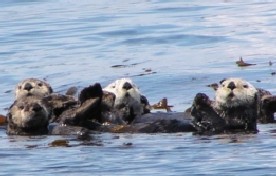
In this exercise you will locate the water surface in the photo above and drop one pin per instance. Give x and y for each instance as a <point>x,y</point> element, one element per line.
<point>186,44</point>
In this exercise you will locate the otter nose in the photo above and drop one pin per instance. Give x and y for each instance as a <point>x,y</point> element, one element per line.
<point>231,85</point>
<point>127,86</point>
<point>36,107</point>
<point>28,86</point>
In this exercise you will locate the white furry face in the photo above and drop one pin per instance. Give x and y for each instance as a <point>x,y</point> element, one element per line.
<point>123,88</point>
<point>234,92</point>
<point>126,93</point>
<point>32,87</point>
<point>29,114</point>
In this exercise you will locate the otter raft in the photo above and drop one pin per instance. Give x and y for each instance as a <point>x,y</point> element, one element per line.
<point>126,88</point>
<point>121,108</point>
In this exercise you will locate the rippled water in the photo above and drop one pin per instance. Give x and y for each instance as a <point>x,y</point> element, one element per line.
<point>186,45</point>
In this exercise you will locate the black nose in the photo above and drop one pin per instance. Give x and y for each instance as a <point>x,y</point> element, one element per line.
<point>231,86</point>
<point>36,107</point>
<point>127,86</point>
<point>28,86</point>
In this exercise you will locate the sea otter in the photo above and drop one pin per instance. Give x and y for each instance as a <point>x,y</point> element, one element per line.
<point>29,115</point>
<point>39,89</point>
<point>96,102</point>
<point>237,106</point>
<point>32,87</point>
<point>36,106</point>
<point>236,101</point>
<point>128,99</point>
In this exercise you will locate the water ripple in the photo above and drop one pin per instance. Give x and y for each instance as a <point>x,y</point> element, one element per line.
<point>187,44</point>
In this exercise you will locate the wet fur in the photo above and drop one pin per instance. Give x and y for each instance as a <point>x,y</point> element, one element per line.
<point>236,102</point>
<point>128,99</point>
<point>236,108</point>
<point>240,94</point>
<point>28,116</point>
<point>32,87</point>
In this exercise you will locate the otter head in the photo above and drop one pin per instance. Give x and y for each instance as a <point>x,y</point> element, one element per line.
<point>127,98</point>
<point>125,91</point>
<point>32,87</point>
<point>27,115</point>
<point>235,92</point>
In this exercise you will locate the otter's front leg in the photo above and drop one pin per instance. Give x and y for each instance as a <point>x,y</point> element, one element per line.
<point>205,117</point>
<point>267,109</point>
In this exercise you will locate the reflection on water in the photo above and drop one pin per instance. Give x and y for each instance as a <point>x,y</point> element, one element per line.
<point>186,45</point>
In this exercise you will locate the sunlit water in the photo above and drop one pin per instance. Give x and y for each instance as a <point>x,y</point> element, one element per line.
<point>185,45</point>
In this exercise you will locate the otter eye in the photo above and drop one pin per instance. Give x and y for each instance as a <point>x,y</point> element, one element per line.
<point>21,107</point>
<point>39,84</point>
<point>113,86</point>
<point>245,86</point>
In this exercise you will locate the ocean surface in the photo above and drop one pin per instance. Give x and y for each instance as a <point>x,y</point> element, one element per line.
<point>170,49</point>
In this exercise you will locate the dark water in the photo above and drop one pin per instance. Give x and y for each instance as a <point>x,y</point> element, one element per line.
<point>186,45</point>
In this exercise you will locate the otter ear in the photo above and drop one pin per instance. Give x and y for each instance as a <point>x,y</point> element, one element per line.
<point>214,86</point>
<point>50,89</point>
<point>222,81</point>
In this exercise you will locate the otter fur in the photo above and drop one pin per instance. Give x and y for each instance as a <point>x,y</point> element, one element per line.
<point>238,105</point>
<point>29,115</point>
<point>32,87</point>
<point>128,99</point>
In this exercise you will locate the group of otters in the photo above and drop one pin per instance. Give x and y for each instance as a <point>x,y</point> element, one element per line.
<point>120,107</point>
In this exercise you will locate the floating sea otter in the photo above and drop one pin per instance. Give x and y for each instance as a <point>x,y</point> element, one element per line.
<point>120,107</point>
<point>35,106</point>
<point>128,99</point>
<point>30,112</point>
<point>119,104</point>
<point>237,106</point>
<point>28,115</point>
<point>32,87</point>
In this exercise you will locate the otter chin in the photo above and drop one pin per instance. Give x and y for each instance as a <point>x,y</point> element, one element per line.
<point>32,87</point>
<point>28,116</point>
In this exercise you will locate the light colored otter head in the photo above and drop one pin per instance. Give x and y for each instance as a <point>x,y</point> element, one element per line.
<point>32,87</point>
<point>125,91</point>
<point>128,99</point>
<point>234,92</point>
<point>28,113</point>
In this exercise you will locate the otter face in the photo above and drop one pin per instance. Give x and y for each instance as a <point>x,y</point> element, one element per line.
<point>128,99</point>
<point>32,87</point>
<point>125,91</point>
<point>28,114</point>
<point>234,92</point>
